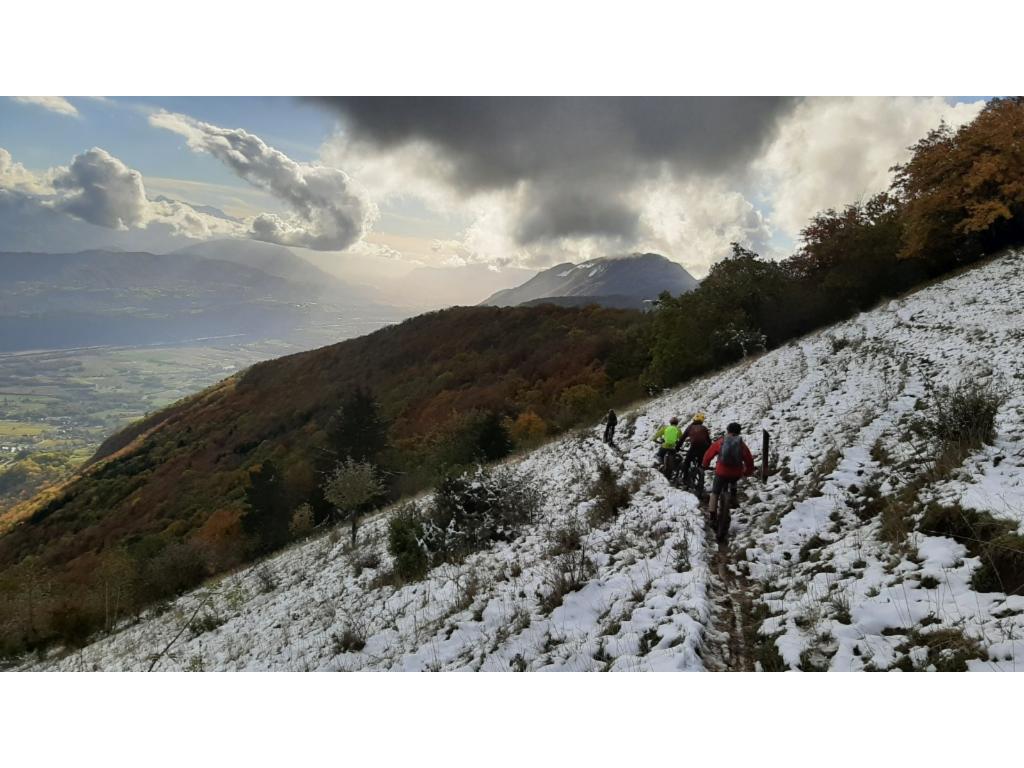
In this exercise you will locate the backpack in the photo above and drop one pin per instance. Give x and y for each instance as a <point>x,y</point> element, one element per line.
<point>671,436</point>
<point>731,454</point>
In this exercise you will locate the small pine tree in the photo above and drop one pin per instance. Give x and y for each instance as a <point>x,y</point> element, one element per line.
<point>357,430</point>
<point>266,518</point>
<point>492,440</point>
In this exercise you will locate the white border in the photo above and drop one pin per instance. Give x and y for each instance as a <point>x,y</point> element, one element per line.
<point>573,719</point>
<point>300,47</point>
<point>797,47</point>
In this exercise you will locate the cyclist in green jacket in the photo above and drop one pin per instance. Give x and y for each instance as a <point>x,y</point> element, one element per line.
<point>670,436</point>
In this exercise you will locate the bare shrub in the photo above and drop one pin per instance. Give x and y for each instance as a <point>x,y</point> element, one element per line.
<point>569,572</point>
<point>566,537</point>
<point>267,580</point>
<point>610,496</point>
<point>964,416</point>
<point>206,622</point>
<point>840,601</point>
<point>350,639</point>
<point>302,521</point>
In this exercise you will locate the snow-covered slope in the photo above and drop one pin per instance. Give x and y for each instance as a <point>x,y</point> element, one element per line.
<point>808,583</point>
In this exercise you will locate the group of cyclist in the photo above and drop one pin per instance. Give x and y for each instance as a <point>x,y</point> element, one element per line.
<point>731,455</point>
<point>734,461</point>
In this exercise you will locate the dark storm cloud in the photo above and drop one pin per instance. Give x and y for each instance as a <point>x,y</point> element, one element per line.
<point>580,153</point>
<point>496,141</point>
<point>560,212</point>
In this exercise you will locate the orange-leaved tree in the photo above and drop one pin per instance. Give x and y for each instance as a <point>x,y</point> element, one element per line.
<point>963,190</point>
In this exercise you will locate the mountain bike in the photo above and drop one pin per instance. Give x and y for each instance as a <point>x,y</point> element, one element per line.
<point>693,479</point>
<point>724,519</point>
<point>721,518</point>
<point>672,466</point>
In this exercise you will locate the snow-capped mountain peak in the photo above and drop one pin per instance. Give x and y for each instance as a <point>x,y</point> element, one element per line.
<point>632,280</point>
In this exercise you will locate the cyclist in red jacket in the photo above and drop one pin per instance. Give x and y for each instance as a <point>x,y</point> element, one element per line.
<point>734,461</point>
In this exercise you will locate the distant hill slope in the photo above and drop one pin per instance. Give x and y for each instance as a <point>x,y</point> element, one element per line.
<point>868,548</point>
<point>639,276</point>
<point>281,262</point>
<point>103,297</point>
<point>93,271</point>
<point>180,475</point>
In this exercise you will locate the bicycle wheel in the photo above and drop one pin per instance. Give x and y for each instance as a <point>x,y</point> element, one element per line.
<point>724,518</point>
<point>687,476</point>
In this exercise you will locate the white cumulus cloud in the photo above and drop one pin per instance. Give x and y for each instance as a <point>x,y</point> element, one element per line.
<point>14,176</point>
<point>695,220</point>
<point>830,152</point>
<point>57,104</point>
<point>328,212</point>
<point>101,190</point>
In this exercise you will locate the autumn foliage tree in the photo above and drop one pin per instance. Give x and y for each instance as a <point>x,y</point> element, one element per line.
<point>527,428</point>
<point>963,191</point>
<point>850,257</point>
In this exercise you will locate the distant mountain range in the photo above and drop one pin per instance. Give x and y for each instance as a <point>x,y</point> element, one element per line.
<point>419,289</point>
<point>260,291</point>
<point>56,301</point>
<point>281,262</point>
<point>630,281</point>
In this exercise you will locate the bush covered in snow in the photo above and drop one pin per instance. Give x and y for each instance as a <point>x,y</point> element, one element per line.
<point>466,513</point>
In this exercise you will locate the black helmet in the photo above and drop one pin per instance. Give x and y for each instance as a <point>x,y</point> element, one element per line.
<point>674,420</point>
<point>733,428</point>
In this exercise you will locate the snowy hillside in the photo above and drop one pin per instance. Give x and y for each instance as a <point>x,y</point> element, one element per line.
<point>818,575</point>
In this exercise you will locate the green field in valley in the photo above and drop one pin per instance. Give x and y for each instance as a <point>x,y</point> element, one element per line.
<point>56,407</point>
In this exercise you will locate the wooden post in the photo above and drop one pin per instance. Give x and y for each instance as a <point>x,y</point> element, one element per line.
<point>765,440</point>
